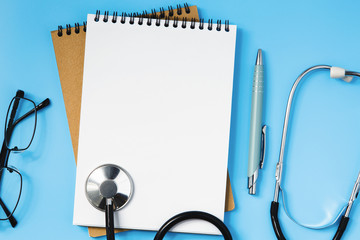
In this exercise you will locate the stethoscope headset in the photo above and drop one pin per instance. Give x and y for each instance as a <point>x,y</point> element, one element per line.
<point>109,188</point>
<point>335,72</point>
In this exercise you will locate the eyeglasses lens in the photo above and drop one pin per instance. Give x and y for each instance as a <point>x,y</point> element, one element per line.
<point>10,189</point>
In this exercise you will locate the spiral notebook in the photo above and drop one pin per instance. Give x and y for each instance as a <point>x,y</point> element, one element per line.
<point>69,46</point>
<point>156,100</point>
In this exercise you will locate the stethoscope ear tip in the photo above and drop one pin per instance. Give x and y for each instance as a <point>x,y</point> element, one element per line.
<point>340,73</point>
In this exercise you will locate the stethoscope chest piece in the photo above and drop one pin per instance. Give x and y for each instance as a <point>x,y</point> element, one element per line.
<point>109,188</point>
<point>109,181</point>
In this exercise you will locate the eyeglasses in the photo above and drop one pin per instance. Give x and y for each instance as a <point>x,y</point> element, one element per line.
<point>17,138</point>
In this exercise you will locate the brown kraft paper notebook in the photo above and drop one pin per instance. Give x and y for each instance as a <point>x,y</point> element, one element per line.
<point>69,46</point>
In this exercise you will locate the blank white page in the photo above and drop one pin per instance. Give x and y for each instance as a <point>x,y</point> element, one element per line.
<point>156,101</point>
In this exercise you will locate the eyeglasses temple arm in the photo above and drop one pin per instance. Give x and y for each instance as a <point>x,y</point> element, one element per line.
<point>12,219</point>
<point>4,152</point>
<point>19,94</point>
<point>41,105</point>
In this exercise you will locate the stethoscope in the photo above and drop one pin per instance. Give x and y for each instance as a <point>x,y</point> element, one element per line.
<point>109,188</point>
<point>335,72</point>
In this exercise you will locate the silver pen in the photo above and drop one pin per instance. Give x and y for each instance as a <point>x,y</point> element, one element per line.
<point>257,131</point>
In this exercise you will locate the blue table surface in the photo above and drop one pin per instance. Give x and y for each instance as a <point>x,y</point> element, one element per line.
<point>322,159</point>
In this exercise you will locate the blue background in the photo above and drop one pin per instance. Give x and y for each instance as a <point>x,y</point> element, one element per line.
<point>322,159</point>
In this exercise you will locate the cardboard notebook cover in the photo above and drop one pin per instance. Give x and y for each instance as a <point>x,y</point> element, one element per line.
<point>69,51</point>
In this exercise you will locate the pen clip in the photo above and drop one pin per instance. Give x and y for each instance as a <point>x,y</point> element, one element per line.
<point>263,145</point>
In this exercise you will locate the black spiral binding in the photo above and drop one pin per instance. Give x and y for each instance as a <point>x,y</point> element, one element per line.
<point>184,21</point>
<point>201,23</point>
<point>132,18</point>
<point>192,25</point>
<point>179,10</point>
<point>187,9</point>
<point>162,12</point>
<point>141,18</point>
<point>114,19</point>
<point>157,21</point>
<point>68,29</point>
<point>210,24</point>
<point>218,25</point>
<point>167,20</point>
<point>97,16</point>
<point>77,28</point>
<point>175,22</point>
<point>123,16</point>
<point>171,11</point>
<point>106,16</point>
<point>153,13</point>
<point>149,16</point>
<point>227,28</point>
<point>60,33</point>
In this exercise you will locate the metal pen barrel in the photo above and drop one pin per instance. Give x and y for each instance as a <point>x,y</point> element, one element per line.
<point>256,124</point>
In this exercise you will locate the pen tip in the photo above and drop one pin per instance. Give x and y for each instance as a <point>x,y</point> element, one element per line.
<point>252,190</point>
<point>259,60</point>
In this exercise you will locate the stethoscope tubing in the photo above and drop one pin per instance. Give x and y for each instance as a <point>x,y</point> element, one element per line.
<point>109,220</point>
<point>169,224</point>
<point>285,128</point>
<point>193,215</point>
